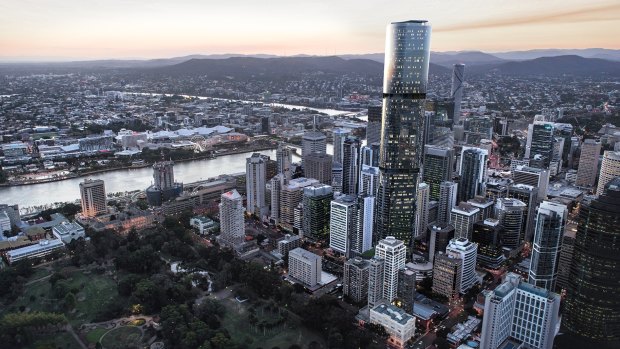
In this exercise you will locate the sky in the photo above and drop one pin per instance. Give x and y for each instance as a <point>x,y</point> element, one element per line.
<point>95,29</point>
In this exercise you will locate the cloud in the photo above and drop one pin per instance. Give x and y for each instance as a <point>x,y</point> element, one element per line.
<point>607,12</point>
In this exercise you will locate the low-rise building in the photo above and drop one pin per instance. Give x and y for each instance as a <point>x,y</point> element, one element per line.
<point>204,225</point>
<point>397,323</point>
<point>304,267</point>
<point>68,232</point>
<point>290,242</point>
<point>43,248</point>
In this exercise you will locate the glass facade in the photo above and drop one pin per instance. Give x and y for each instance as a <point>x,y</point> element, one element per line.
<point>407,57</point>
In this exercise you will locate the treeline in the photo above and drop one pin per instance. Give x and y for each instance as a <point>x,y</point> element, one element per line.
<point>17,329</point>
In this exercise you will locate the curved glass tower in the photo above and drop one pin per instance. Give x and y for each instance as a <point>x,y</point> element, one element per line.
<point>407,54</point>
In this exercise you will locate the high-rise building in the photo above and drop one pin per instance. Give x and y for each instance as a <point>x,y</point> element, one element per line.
<point>350,165</point>
<point>473,169</point>
<point>456,92</point>
<point>369,180</point>
<point>438,128</point>
<point>164,187</point>
<point>438,237</point>
<point>366,216</point>
<point>421,214</point>
<point>313,142</point>
<point>284,159</point>
<point>535,177</point>
<point>610,169</point>
<point>540,139</point>
<point>369,154</point>
<point>232,226</point>
<point>466,251</point>
<point>438,166</point>
<point>319,167</point>
<point>462,218</point>
<point>93,197</point>
<point>510,212</point>
<point>407,58</point>
<point>355,279</point>
<point>373,129</point>
<point>447,201</point>
<point>548,233</point>
<point>393,252</point>
<point>406,289</point>
<point>375,281</point>
<point>256,179</point>
<point>447,275</point>
<point>343,224</point>
<point>339,136</point>
<point>566,256</point>
<point>265,125</point>
<point>337,177</point>
<point>291,195</point>
<point>592,303</point>
<point>588,163</point>
<point>487,234</point>
<point>316,209</point>
<point>275,187</point>
<point>304,266</point>
<point>485,205</point>
<point>518,311</point>
<point>529,196</point>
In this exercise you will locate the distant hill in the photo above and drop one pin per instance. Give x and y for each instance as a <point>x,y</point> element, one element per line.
<point>602,53</point>
<point>448,59</point>
<point>554,66</point>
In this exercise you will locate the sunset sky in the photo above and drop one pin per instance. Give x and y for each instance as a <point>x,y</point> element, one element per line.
<point>92,29</point>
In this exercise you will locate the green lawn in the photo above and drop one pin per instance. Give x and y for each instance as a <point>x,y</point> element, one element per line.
<point>94,335</point>
<point>61,340</point>
<point>121,337</point>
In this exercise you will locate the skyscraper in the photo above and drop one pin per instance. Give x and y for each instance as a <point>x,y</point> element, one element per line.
<point>284,159</point>
<point>529,196</point>
<point>256,178</point>
<point>456,92</point>
<point>164,187</point>
<point>319,167</point>
<point>275,186</point>
<point>343,224</point>
<point>610,169</point>
<point>355,279</point>
<point>438,237</point>
<point>375,281</point>
<point>487,234</point>
<point>447,201</point>
<point>369,154</point>
<point>369,179</point>
<point>339,136</point>
<point>290,196</point>
<point>588,163</point>
<point>350,165</point>
<point>232,227</point>
<point>462,217</point>
<point>447,275</point>
<point>466,251</point>
<point>438,166</point>
<point>535,177</point>
<point>393,253</point>
<point>540,139</point>
<point>407,56</point>
<point>592,303</point>
<point>421,214</point>
<point>509,212</point>
<point>93,197</point>
<point>313,142</point>
<point>366,216</point>
<point>373,129</point>
<point>473,171</point>
<point>550,223</point>
<point>316,210</point>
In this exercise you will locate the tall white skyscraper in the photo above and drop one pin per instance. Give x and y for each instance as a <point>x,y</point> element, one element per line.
<point>548,233</point>
<point>340,134</point>
<point>467,252</point>
<point>343,224</point>
<point>369,177</point>
<point>275,187</point>
<point>93,197</point>
<point>366,215</point>
<point>393,253</point>
<point>421,214</point>
<point>256,173</point>
<point>447,201</point>
<point>232,227</point>
<point>375,281</point>
<point>284,159</point>
<point>610,169</point>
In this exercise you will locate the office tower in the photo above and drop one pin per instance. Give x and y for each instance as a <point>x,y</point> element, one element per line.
<point>264,125</point>
<point>369,179</point>
<point>588,163</point>
<point>405,293</point>
<point>339,136</point>
<point>477,128</point>
<point>271,168</point>
<point>375,281</point>
<point>566,256</point>
<point>316,209</point>
<point>535,177</point>
<point>592,303</point>
<point>437,238</point>
<point>447,201</point>
<point>343,224</point>
<point>466,251</point>
<point>284,159</point>
<point>610,169</point>
<point>393,253</point>
<point>164,187</point>
<point>369,154</point>
<point>456,92</point>
<point>232,227</point>
<point>439,115</point>
<point>256,178</point>
<point>473,172</point>
<point>275,187</point>
<point>421,213</point>
<point>337,177</point>
<point>350,165</point>
<point>319,167</point>
<point>529,196</point>
<point>518,311</point>
<point>304,266</point>
<point>366,216</point>
<point>564,131</point>
<point>93,197</point>
<point>550,222</point>
<point>313,142</point>
<point>373,129</point>
<point>485,205</point>
<point>407,57</point>
<point>447,275</point>
<point>438,165</point>
<point>355,279</point>
<point>288,243</point>
<point>433,207</point>
<point>555,166</point>
<point>462,218</point>
<point>540,139</point>
<point>291,195</point>
<point>510,214</point>
<point>487,234</point>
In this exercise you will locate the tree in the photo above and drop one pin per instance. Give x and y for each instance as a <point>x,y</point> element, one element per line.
<point>69,301</point>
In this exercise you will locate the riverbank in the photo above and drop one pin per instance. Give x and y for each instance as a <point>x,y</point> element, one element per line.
<point>118,168</point>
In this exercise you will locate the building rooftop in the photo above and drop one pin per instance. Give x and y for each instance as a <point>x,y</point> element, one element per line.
<point>233,194</point>
<point>395,313</point>
<point>66,228</point>
<point>305,254</point>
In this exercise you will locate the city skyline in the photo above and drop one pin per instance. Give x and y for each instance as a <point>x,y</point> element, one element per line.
<point>63,30</point>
